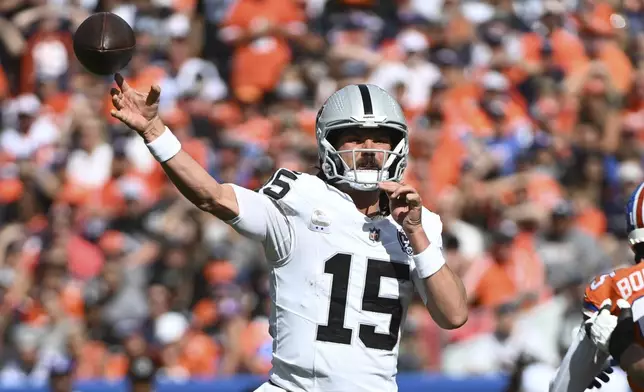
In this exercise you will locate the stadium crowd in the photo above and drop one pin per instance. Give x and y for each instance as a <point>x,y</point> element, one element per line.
<point>526,126</point>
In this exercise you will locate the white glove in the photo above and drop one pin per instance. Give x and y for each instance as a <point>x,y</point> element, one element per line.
<point>601,325</point>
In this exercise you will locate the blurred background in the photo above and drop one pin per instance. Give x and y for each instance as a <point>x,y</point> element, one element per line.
<point>527,131</point>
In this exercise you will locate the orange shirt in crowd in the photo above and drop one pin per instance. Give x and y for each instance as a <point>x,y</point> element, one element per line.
<point>568,51</point>
<point>592,220</point>
<point>4,84</point>
<point>491,283</point>
<point>441,171</point>
<point>91,361</point>
<point>28,71</point>
<point>70,299</point>
<point>199,355</point>
<point>271,52</point>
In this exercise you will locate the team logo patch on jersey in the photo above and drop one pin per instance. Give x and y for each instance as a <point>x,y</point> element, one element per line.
<point>404,242</point>
<point>374,234</point>
<point>320,222</point>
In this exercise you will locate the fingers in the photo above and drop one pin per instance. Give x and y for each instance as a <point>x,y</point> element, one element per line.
<point>153,95</point>
<point>603,376</point>
<point>403,190</point>
<point>606,305</point>
<point>118,78</point>
<point>117,101</point>
<point>394,189</point>
<point>388,186</point>
<point>625,310</point>
<point>413,200</point>
<point>118,115</point>
<point>623,304</point>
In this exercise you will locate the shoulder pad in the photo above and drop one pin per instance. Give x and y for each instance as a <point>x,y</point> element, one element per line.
<point>290,189</point>
<point>280,183</point>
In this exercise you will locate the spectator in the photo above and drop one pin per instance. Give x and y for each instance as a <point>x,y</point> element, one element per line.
<point>29,365</point>
<point>141,373</point>
<point>61,371</point>
<point>566,249</point>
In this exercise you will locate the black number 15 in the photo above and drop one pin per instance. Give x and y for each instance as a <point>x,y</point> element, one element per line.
<point>278,182</point>
<point>340,266</point>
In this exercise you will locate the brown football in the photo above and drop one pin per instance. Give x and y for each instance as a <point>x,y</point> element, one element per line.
<point>104,43</point>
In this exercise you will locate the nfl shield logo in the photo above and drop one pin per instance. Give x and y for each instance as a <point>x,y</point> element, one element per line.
<point>374,234</point>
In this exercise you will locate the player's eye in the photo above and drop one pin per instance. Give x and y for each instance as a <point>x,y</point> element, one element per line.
<point>352,138</point>
<point>381,139</point>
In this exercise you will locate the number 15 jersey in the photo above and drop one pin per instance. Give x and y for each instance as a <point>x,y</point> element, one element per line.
<point>340,283</point>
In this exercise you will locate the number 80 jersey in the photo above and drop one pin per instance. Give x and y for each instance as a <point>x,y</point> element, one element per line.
<point>340,296</point>
<point>626,283</point>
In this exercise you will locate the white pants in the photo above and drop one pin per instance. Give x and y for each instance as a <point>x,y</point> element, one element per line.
<point>268,387</point>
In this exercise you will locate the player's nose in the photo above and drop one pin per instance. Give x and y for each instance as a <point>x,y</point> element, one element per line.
<point>368,143</point>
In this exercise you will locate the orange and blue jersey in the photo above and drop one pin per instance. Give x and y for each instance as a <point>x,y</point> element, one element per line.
<point>626,283</point>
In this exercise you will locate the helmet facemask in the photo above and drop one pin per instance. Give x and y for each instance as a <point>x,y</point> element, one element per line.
<point>337,171</point>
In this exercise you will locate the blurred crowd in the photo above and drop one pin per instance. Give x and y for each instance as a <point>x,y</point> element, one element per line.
<point>526,129</point>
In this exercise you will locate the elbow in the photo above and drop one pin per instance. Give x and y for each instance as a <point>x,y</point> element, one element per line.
<point>218,203</point>
<point>456,320</point>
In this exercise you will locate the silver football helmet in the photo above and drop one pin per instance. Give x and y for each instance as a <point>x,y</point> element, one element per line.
<point>362,106</point>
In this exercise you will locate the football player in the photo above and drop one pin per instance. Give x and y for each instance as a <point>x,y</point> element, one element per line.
<point>347,247</point>
<point>604,334</point>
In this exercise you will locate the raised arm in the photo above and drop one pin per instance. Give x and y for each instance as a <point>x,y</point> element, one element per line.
<point>442,291</point>
<point>252,214</point>
<point>139,111</point>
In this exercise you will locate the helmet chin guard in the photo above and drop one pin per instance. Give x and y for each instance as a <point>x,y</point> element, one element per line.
<point>364,179</point>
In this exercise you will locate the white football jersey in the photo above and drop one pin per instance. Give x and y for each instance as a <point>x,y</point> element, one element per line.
<point>340,283</point>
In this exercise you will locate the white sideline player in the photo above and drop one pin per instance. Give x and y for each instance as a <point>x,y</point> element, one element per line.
<point>346,247</point>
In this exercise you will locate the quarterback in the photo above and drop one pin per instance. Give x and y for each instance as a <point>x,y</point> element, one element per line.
<point>613,311</point>
<point>347,247</point>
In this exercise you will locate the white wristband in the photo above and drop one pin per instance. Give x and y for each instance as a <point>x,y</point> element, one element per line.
<point>165,146</point>
<point>429,261</point>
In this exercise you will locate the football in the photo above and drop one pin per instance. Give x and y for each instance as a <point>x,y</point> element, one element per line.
<point>104,43</point>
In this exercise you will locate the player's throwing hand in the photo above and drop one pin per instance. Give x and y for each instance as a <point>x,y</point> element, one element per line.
<point>405,205</point>
<point>134,108</point>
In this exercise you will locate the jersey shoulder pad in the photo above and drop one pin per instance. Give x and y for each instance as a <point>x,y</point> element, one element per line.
<point>290,189</point>
<point>597,291</point>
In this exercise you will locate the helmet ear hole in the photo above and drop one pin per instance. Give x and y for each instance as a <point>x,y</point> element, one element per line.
<point>396,137</point>
<point>333,137</point>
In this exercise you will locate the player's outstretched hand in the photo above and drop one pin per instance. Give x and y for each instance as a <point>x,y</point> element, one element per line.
<point>405,204</point>
<point>624,331</point>
<point>135,109</point>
